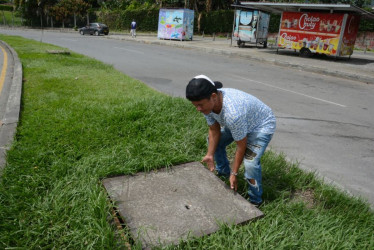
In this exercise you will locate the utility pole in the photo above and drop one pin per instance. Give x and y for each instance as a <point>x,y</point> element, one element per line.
<point>40,10</point>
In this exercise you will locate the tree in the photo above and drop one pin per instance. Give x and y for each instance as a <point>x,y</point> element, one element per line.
<point>79,7</point>
<point>34,10</point>
<point>65,8</point>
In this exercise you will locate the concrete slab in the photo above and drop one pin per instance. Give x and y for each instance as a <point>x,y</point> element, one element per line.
<point>165,206</point>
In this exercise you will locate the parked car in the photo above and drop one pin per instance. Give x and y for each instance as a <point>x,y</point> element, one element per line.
<point>94,28</point>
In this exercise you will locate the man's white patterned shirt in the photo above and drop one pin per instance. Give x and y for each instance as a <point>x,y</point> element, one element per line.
<point>242,114</point>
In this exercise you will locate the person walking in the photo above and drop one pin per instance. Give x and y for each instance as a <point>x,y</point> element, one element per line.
<point>233,115</point>
<point>133,28</point>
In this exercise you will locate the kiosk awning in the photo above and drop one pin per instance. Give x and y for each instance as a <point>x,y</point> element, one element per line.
<point>305,7</point>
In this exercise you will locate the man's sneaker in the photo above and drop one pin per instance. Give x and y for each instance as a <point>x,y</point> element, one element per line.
<point>256,204</point>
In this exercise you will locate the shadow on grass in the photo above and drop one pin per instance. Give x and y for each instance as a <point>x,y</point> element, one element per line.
<point>285,182</point>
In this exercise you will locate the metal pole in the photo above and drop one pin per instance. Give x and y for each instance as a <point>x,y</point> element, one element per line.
<point>233,26</point>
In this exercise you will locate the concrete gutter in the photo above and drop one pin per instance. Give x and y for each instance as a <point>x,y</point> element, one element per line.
<point>10,119</point>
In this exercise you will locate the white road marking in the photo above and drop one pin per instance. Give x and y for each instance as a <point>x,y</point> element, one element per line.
<point>294,92</point>
<point>130,50</point>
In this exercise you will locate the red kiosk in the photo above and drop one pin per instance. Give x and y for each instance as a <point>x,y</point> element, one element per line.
<point>315,28</point>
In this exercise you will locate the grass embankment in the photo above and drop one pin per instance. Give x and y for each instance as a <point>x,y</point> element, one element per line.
<point>10,18</point>
<point>82,120</point>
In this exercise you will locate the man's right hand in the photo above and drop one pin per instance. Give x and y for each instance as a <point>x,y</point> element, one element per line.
<point>209,160</point>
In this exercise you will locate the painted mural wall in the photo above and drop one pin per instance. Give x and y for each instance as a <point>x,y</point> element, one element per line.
<point>176,24</point>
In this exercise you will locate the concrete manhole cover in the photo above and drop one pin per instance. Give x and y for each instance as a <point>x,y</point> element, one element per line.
<point>165,206</point>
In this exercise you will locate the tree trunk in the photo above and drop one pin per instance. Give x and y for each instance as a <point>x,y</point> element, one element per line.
<point>199,21</point>
<point>208,5</point>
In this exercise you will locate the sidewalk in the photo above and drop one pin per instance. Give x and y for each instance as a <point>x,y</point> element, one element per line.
<point>360,67</point>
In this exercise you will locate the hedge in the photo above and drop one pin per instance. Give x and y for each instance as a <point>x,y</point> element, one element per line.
<point>6,7</point>
<point>366,25</point>
<point>147,20</point>
<point>220,21</point>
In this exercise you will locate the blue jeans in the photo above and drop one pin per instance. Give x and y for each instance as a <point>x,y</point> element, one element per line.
<point>256,145</point>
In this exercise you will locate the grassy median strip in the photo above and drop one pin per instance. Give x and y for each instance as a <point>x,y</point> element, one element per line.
<point>82,120</point>
<point>10,19</point>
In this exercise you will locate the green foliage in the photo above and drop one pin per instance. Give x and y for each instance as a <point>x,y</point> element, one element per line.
<point>35,12</point>
<point>366,25</point>
<point>217,21</point>
<point>6,7</point>
<point>10,18</point>
<point>128,4</point>
<point>147,20</point>
<point>66,8</point>
<point>274,23</point>
<point>220,21</point>
<point>134,5</point>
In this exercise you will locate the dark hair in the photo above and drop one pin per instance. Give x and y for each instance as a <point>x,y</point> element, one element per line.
<point>201,87</point>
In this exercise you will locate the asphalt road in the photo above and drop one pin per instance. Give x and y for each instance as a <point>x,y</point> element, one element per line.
<point>3,69</point>
<point>324,123</point>
<point>6,66</point>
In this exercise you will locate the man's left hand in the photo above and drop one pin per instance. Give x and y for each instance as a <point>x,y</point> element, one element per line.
<point>209,160</point>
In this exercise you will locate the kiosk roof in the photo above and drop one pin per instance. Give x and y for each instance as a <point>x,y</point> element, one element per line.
<point>304,7</point>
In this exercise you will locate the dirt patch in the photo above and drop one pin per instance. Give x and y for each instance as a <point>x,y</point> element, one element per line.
<point>305,196</point>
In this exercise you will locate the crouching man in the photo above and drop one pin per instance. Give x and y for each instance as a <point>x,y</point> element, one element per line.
<point>233,115</point>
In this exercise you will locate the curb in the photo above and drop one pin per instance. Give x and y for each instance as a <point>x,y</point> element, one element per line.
<point>13,106</point>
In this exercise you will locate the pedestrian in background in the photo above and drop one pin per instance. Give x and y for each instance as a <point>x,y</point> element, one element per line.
<point>233,115</point>
<point>133,28</point>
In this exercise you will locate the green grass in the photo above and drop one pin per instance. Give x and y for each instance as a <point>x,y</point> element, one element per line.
<point>82,120</point>
<point>9,18</point>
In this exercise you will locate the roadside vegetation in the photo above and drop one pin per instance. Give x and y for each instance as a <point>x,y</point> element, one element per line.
<point>9,18</point>
<point>81,121</point>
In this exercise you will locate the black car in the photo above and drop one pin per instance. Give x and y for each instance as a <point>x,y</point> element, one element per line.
<point>94,28</point>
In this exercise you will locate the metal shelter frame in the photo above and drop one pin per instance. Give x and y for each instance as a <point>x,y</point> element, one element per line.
<point>278,8</point>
